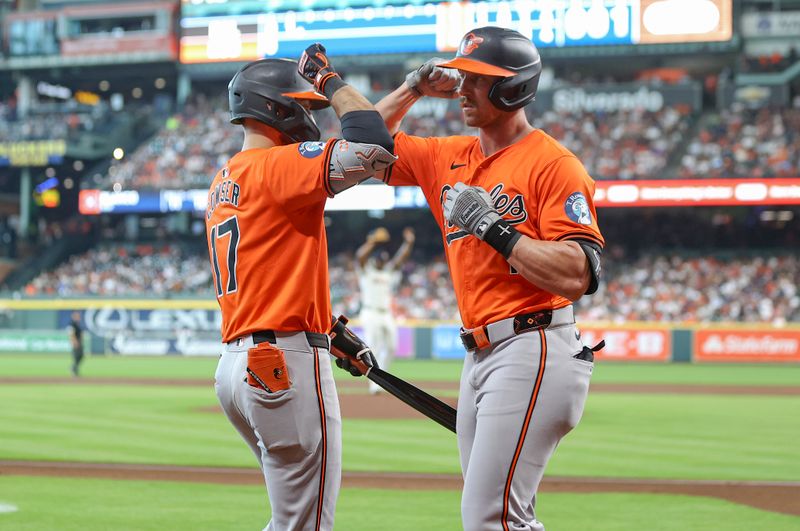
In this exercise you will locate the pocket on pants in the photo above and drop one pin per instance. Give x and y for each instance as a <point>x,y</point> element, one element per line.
<point>281,416</point>
<point>266,369</point>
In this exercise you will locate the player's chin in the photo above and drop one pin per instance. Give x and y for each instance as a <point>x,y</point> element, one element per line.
<point>471,118</point>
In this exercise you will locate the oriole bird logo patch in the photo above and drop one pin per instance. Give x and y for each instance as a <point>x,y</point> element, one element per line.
<point>470,43</point>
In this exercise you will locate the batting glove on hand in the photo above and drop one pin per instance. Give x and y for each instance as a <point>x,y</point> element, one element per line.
<point>347,366</point>
<point>366,357</point>
<point>435,81</point>
<point>348,347</point>
<point>470,208</point>
<point>315,67</point>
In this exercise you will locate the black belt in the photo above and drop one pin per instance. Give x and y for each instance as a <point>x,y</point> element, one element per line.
<point>268,336</point>
<point>479,337</point>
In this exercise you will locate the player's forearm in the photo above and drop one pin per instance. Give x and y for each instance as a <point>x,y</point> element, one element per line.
<point>363,252</point>
<point>348,99</point>
<point>402,254</point>
<point>394,106</point>
<point>560,268</point>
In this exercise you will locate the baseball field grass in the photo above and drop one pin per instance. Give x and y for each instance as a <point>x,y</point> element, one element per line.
<point>102,418</point>
<point>91,504</point>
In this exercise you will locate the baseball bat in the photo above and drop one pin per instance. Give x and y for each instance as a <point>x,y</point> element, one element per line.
<point>427,404</point>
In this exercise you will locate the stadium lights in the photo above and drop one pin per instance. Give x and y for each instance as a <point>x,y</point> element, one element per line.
<point>118,153</point>
<point>48,184</point>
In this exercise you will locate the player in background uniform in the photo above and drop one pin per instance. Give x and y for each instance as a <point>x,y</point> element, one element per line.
<point>522,242</point>
<point>76,341</point>
<point>268,252</point>
<point>378,278</point>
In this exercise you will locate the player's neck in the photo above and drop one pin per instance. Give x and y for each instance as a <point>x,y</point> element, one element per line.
<point>261,138</point>
<point>502,133</point>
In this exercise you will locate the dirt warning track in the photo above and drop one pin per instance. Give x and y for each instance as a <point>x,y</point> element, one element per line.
<point>771,496</point>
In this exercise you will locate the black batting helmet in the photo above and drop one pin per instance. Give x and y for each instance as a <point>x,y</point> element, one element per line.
<point>267,90</point>
<point>505,53</point>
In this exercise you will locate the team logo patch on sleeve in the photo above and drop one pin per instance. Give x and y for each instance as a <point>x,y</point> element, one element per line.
<point>311,149</point>
<point>577,209</point>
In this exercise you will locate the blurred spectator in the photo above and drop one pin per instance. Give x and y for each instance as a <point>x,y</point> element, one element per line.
<point>50,121</point>
<point>674,288</point>
<point>186,154</point>
<point>741,142</point>
<point>653,288</point>
<point>142,270</point>
<point>620,145</point>
<point>773,62</point>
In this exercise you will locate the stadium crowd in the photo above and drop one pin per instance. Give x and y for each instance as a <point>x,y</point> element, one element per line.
<point>741,142</point>
<point>653,288</point>
<point>141,270</point>
<point>185,154</point>
<point>699,289</point>
<point>48,122</point>
<point>626,144</point>
<point>633,144</point>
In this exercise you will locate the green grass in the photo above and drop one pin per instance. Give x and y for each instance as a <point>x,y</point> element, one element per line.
<point>692,373</point>
<point>417,370</point>
<point>161,425</point>
<point>684,436</point>
<point>632,435</point>
<point>184,367</point>
<point>94,505</point>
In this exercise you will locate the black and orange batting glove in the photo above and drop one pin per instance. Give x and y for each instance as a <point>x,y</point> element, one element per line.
<point>315,67</point>
<point>352,354</point>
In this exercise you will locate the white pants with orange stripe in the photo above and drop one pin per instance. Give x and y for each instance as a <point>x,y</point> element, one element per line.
<point>518,398</point>
<point>380,334</point>
<point>294,434</point>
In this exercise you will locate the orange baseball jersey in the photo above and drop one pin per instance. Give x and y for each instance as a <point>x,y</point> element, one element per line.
<point>538,185</point>
<point>266,239</point>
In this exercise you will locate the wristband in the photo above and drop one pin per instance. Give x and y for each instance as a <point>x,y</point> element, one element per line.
<point>330,84</point>
<point>502,237</point>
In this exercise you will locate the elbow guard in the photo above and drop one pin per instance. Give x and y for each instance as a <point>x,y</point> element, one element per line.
<point>351,163</point>
<point>366,127</point>
<point>593,253</point>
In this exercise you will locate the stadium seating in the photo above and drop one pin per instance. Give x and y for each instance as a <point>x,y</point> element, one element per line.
<point>620,145</point>
<point>141,270</point>
<point>658,287</point>
<point>741,142</point>
<point>49,122</point>
<point>185,154</point>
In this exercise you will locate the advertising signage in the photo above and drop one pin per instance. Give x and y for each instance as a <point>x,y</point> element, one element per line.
<point>242,31</point>
<point>667,192</point>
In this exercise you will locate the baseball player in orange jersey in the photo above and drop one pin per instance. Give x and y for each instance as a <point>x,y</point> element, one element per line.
<point>522,242</point>
<point>268,251</point>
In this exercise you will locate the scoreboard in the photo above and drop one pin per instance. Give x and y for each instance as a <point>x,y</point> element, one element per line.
<point>247,30</point>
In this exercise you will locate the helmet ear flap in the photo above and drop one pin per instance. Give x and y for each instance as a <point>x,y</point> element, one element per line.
<point>515,92</point>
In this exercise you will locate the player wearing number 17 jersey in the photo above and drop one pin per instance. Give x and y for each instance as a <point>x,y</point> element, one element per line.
<point>268,252</point>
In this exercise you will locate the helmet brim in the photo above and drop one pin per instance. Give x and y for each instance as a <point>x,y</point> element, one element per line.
<point>317,100</point>
<point>477,67</point>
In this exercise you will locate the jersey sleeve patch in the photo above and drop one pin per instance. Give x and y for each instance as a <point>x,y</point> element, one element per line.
<point>577,208</point>
<point>311,150</point>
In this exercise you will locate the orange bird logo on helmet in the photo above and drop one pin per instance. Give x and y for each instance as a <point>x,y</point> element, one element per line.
<point>469,43</point>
